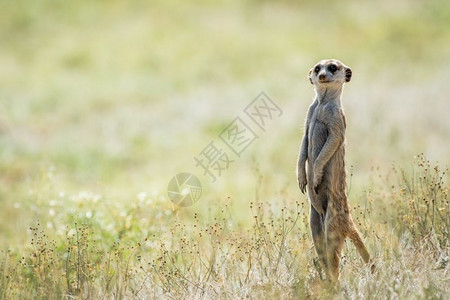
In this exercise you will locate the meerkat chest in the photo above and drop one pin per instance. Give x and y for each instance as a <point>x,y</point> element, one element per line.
<point>320,115</point>
<point>320,118</point>
<point>318,131</point>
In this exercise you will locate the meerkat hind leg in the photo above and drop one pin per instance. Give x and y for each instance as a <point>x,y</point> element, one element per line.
<point>334,245</point>
<point>318,235</point>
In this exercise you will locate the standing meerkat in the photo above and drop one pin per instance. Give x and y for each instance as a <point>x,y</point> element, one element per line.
<point>323,146</point>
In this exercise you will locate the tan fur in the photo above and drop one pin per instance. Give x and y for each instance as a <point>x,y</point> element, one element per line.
<point>324,178</point>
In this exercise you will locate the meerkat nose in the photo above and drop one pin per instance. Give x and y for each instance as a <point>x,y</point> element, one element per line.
<point>321,76</point>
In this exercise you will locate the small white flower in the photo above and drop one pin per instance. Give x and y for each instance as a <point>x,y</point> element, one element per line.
<point>51,212</point>
<point>16,205</point>
<point>151,245</point>
<point>89,214</point>
<point>84,195</point>
<point>142,196</point>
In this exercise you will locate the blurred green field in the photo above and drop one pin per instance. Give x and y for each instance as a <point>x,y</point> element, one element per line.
<point>103,102</point>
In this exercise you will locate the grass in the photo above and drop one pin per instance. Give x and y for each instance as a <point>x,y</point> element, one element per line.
<point>176,257</point>
<point>103,102</point>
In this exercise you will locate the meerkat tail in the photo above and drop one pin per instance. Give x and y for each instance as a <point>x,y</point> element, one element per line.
<point>355,237</point>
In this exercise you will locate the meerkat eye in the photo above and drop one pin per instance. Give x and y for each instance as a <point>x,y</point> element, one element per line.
<point>317,69</point>
<point>332,68</point>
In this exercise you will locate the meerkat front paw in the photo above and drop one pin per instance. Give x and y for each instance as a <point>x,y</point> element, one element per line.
<point>302,182</point>
<point>317,179</point>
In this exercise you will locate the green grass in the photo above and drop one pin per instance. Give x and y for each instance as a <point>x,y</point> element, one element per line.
<point>103,102</point>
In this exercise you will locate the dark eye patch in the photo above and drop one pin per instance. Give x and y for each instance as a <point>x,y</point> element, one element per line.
<point>317,69</point>
<point>332,68</point>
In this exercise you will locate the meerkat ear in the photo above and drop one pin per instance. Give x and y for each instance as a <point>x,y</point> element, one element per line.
<point>309,76</point>
<point>348,74</point>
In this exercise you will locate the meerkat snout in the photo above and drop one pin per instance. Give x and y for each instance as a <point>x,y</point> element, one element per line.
<point>329,71</point>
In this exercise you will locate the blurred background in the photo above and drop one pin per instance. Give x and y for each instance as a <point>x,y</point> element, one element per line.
<point>103,102</point>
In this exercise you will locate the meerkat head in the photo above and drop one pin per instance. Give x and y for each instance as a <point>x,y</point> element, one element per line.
<point>329,73</point>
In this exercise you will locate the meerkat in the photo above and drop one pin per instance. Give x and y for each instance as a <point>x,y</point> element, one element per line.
<point>324,179</point>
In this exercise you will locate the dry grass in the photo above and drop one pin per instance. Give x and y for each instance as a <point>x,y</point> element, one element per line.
<point>273,258</point>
